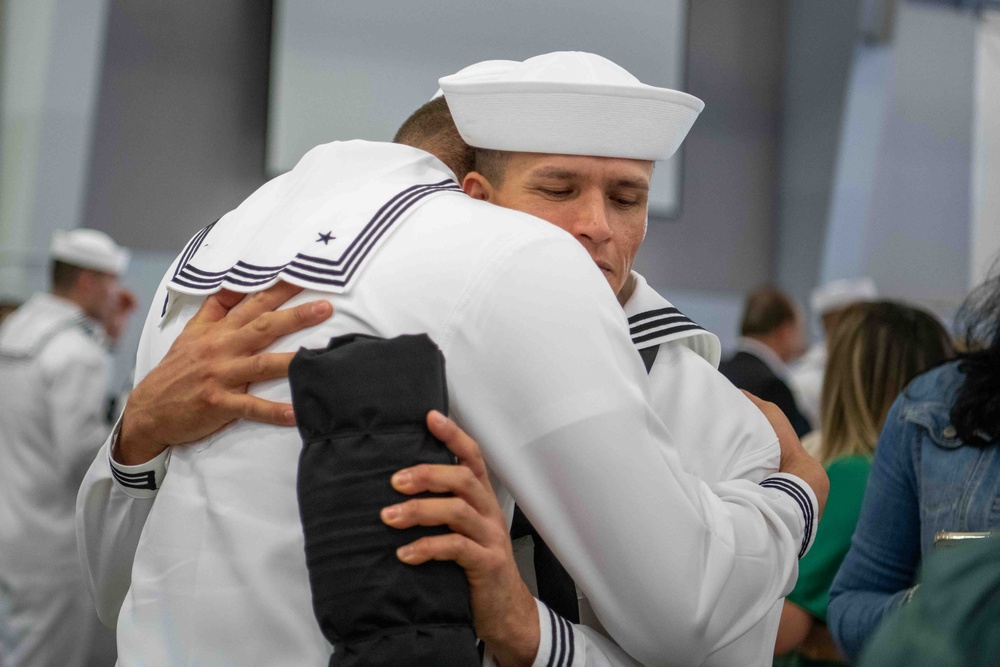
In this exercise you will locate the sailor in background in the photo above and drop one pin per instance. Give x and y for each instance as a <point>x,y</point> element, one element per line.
<point>540,368</point>
<point>827,302</point>
<point>720,434</point>
<point>54,370</point>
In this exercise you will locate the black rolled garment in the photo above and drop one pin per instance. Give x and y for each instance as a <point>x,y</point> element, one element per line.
<point>361,406</point>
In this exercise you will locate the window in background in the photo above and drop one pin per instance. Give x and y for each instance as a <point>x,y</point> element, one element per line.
<point>356,70</point>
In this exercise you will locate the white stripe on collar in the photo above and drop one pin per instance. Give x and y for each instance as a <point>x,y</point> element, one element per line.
<point>653,320</point>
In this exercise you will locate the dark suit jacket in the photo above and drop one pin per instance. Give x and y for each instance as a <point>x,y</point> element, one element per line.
<point>748,371</point>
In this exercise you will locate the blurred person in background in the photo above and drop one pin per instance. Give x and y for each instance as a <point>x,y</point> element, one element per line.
<point>771,337</point>
<point>936,468</point>
<point>828,302</point>
<point>875,351</point>
<point>55,368</point>
<point>7,306</point>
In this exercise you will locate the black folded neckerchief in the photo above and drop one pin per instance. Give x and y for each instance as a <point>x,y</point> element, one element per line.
<point>361,406</point>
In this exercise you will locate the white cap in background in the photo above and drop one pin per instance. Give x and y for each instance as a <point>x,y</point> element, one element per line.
<point>841,293</point>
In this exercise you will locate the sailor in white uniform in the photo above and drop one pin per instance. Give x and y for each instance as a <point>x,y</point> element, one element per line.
<point>729,440</point>
<point>54,415</point>
<point>828,302</point>
<point>720,435</point>
<point>556,395</point>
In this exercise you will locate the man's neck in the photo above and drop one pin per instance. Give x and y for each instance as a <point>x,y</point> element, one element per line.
<point>625,293</point>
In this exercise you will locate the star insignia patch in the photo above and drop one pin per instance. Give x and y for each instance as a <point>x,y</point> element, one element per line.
<point>326,238</point>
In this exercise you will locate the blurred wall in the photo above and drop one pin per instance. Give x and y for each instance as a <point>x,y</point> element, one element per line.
<point>723,242</point>
<point>179,135</point>
<point>723,239</point>
<point>50,64</point>
<point>181,118</point>
<point>985,237</point>
<point>917,229</point>
<point>902,212</point>
<point>821,39</point>
<point>331,81</point>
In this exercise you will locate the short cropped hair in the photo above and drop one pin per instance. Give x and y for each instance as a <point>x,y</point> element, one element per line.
<point>766,309</point>
<point>492,164</point>
<point>64,276</point>
<point>431,128</point>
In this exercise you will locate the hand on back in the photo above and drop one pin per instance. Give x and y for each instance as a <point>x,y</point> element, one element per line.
<point>200,386</point>
<point>504,611</point>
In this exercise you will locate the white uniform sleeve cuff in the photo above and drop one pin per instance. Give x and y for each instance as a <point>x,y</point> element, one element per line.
<point>804,497</point>
<point>557,646</point>
<point>139,481</point>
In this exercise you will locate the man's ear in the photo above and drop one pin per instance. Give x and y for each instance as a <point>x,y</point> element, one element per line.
<point>476,186</point>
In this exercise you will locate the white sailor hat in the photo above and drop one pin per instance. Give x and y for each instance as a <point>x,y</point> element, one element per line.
<point>842,293</point>
<point>488,69</point>
<point>89,249</point>
<point>568,102</point>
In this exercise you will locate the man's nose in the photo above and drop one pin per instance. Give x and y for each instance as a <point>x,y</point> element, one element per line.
<point>592,219</point>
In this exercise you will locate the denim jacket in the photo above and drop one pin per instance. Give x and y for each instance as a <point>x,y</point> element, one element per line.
<point>923,480</point>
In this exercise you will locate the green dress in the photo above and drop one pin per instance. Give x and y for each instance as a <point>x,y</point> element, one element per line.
<point>817,569</point>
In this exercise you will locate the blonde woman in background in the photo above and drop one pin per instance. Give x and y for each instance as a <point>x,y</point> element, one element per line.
<point>876,349</point>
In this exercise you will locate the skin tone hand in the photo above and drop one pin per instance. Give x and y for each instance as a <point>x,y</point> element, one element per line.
<point>505,614</point>
<point>795,460</point>
<point>800,631</point>
<point>205,373</point>
<point>793,629</point>
<point>125,303</point>
<point>503,609</point>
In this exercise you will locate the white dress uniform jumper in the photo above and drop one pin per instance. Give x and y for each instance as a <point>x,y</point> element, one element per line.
<point>54,369</point>
<point>541,371</point>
